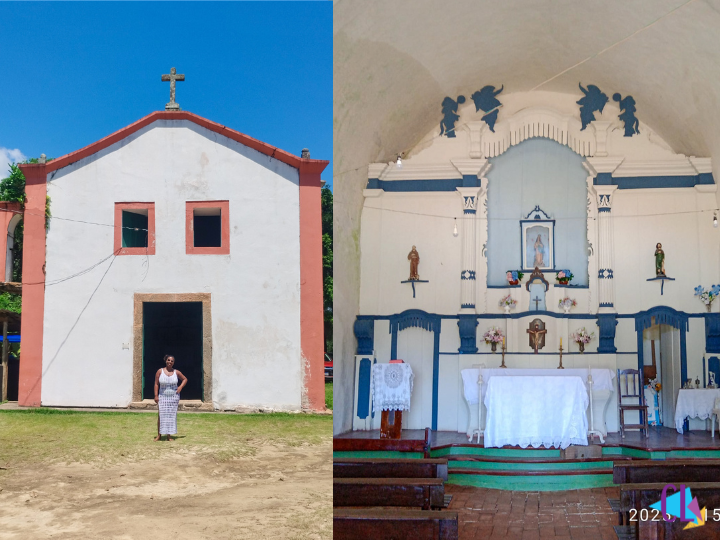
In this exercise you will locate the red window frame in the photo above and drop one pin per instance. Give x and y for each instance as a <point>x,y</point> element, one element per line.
<point>224,248</point>
<point>119,207</point>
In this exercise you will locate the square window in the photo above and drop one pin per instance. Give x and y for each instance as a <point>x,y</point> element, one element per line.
<point>134,228</point>
<point>207,229</point>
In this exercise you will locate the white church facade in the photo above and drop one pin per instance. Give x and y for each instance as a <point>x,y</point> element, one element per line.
<point>175,235</point>
<point>553,184</point>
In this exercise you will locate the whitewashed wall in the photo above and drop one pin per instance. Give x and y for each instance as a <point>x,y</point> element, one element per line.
<point>679,218</point>
<point>255,290</point>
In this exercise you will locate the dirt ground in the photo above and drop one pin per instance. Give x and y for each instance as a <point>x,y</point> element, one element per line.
<point>279,492</point>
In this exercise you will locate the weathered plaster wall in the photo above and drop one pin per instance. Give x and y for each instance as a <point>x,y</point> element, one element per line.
<point>255,290</point>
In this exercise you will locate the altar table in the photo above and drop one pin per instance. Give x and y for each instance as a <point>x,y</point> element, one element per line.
<point>694,403</point>
<point>536,411</point>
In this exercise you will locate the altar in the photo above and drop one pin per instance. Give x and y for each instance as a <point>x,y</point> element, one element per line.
<point>476,394</point>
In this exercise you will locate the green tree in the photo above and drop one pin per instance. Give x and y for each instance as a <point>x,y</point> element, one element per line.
<point>326,201</point>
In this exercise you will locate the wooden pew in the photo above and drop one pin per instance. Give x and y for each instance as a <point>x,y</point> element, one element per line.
<point>390,468</point>
<point>393,524</point>
<point>423,493</point>
<point>640,496</point>
<point>674,470</point>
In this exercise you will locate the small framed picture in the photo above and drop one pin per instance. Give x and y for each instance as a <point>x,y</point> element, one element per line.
<point>538,241</point>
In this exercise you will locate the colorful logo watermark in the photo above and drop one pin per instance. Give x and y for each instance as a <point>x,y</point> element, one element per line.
<point>680,505</point>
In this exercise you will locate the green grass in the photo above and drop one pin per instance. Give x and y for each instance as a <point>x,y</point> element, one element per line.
<point>329,395</point>
<point>49,435</point>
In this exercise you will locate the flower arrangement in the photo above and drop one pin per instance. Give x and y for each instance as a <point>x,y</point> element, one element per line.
<point>582,337</point>
<point>514,276</point>
<point>564,277</point>
<point>707,297</point>
<point>567,303</point>
<point>654,385</point>
<point>507,301</point>
<point>493,335</point>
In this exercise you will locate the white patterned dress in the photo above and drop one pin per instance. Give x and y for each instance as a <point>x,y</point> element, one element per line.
<point>168,403</point>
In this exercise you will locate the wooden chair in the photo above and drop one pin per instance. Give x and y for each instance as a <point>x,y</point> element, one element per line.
<point>633,389</point>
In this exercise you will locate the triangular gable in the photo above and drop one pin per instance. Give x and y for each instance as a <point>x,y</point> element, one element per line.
<point>307,165</point>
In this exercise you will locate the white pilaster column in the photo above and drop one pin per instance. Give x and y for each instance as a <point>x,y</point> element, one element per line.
<point>468,271</point>
<point>606,251</point>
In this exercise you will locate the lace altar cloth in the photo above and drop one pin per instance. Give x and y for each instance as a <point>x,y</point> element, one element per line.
<point>536,411</point>
<point>391,387</point>
<point>602,378</point>
<point>692,403</point>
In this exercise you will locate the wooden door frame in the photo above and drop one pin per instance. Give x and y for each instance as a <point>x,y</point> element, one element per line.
<point>138,301</point>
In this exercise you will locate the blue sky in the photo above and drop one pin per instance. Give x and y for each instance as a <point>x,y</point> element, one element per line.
<point>73,73</point>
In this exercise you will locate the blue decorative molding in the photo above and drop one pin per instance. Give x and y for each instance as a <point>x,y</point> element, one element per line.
<point>469,211</point>
<point>570,286</point>
<point>656,182</point>
<point>364,374</point>
<point>603,179</point>
<point>414,281</point>
<point>486,100</point>
<point>540,214</point>
<point>471,180</point>
<point>627,114</point>
<point>712,334</point>
<point>607,323</point>
<point>605,273</point>
<point>450,115</point>
<point>594,100</point>
<point>365,334</point>
<point>468,336</point>
<point>606,304</point>
<point>403,186</point>
<point>604,209</point>
<point>467,306</point>
<point>467,274</point>
<point>504,286</point>
<point>662,280</point>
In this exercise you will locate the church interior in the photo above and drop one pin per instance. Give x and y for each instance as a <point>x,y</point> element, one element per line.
<point>527,263</point>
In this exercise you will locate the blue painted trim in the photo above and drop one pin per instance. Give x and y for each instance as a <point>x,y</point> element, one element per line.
<point>568,286</point>
<point>470,274</point>
<point>604,209</point>
<point>471,180</point>
<point>436,378</point>
<point>364,330</point>
<point>669,316</point>
<point>504,286</point>
<point>469,211</point>
<point>712,334</point>
<point>415,185</point>
<point>467,329</point>
<point>653,182</point>
<point>363,404</point>
<point>467,306</point>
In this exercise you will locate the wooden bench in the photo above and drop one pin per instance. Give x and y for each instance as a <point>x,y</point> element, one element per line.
<point>639,497</point>
<point>423,493</point>
<point>674,470</point>
<point>390,468</point>
<point>393,524</point>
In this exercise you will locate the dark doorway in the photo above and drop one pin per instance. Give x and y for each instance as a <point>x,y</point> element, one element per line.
<point>173,328</point>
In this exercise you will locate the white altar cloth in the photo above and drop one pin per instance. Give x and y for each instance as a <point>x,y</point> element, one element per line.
<point>391,387</point>
<point>536,411</point>
<point>694,403</point>
<point>602,378</point>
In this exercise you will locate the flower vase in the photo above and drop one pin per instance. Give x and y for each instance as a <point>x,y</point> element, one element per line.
<point>493,346</point>
<point>582,347</point>
<point>507,310</point>
<point>513,282</point>
<point>566,310</point>
<point>709,307</point>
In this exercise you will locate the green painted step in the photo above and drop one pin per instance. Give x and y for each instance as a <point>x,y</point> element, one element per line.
<point>503,459</point>
<point>519,466</point>
<point>533,483</point>
<point>498,452</point>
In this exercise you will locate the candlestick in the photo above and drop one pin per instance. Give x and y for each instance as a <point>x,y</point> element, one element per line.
<point>561,366</point>
<point>503,355</point>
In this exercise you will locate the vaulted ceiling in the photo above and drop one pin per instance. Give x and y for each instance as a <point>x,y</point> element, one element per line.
<point>396,60</point>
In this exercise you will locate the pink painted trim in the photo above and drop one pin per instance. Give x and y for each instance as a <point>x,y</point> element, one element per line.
<point>224,248</point>
<point>119,207</point>
<point>312,340</point>
<point>260,146</point>
<point>33,297</point>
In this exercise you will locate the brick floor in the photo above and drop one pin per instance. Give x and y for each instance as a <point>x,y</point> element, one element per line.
<point>531,515</point>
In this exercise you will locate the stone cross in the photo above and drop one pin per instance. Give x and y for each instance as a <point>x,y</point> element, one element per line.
<point>537,301</point>
<point>172,77</point>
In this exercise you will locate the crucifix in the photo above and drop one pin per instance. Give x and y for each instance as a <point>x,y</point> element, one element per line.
<point>537,301</point>
<point>172,77</point>
<point>537,332</point>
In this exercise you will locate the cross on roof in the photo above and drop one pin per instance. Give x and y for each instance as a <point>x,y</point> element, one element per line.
<point>172,77</point>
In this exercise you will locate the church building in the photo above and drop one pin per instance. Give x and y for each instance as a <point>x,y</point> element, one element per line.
<point>174,235</point>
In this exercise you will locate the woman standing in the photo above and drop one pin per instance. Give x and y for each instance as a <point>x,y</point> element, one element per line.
<point>167,380</point>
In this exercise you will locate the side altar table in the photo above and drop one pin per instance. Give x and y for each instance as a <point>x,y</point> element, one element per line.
<point>536,411</point>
